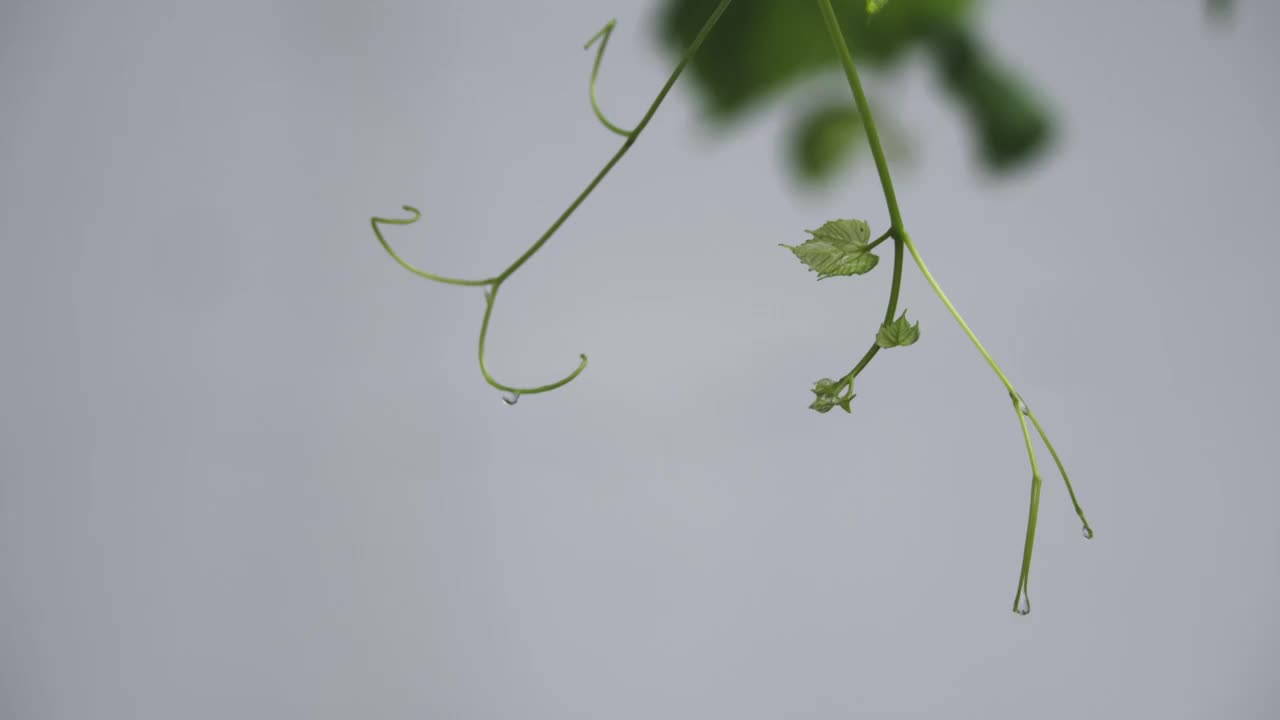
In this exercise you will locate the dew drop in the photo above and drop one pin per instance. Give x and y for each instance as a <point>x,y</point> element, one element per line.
<point>1087,532</point>
<point>511,398</point>
<point>1019,405</point>
<point>1024,605</point>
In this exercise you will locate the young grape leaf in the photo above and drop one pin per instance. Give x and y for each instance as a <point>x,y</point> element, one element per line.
<point>827,396</point>
<point>898,333</point>
<point>823,404</point>
<point>837,248</point>
<point>825,386</point>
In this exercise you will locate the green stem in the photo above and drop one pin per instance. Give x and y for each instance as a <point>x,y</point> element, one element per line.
<point>489,297</point>
<point>495,283</point>
<point>864,110</point>
<point>626,145</point>
<point>632,136</point>
<point>417,271</point>
<point>1022,598</point>
<point>1022,410</point>
<point>896,229</point>
<point>887,234</point>
<point>890,311</point>
<point>863,363</point>
<point>1044,437</point>
<point>924,269</point>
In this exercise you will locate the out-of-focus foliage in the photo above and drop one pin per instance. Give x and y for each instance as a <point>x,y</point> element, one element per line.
<point>763,47</point>
<point>1219,7</point>
<point>824,140</point>
<point>827,135</point>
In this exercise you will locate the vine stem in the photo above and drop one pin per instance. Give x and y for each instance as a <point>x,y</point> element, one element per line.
<point>1044,437</point>
<point>896,229</point>
<point>864,109</point>
<point>494,284</point>
<point>951,308</point>
<point>901,238</point>
<point>1021,598</point>
<point>1024,412</point>
<point>626,145</point>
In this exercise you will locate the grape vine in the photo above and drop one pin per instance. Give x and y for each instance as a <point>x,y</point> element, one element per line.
<point>838,248</point>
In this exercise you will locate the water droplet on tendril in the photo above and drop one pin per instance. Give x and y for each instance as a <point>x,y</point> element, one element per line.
<point>1087,532</point>
<point>511,398</point>
<point>1024,605</point>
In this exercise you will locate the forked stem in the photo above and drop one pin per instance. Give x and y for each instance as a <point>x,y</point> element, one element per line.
<point>626,145</point>
<point>411,268</point>
<point>1022,598</point>
<point>897,230</point>
<point>1024,412</point>
<point>494,284</point>
<point>1044,437</point>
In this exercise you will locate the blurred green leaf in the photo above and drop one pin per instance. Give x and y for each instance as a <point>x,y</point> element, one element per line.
<point>1219,7</point>
<point>824,140</point>
<point>764,47</point>
<point>1008,119</point>
<point>827,137</point>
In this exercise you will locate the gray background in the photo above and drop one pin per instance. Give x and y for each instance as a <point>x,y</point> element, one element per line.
<point>250,470</point>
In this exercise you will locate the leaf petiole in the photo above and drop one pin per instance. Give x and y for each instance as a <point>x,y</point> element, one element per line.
<point>887,234</point>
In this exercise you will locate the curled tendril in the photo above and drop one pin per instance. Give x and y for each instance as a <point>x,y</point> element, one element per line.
<point>493,284</point>
<point>603,37</point>
<point>417,271</point>
<point>489,297</point>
